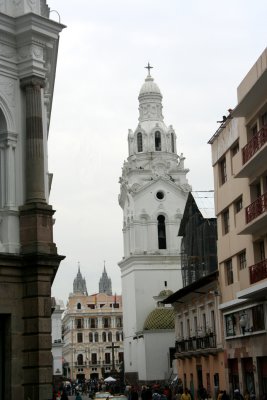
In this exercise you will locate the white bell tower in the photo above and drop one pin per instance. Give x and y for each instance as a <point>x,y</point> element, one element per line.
<point>153,193</point>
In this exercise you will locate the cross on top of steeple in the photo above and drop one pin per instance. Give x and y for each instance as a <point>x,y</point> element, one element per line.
<point>148,67</point>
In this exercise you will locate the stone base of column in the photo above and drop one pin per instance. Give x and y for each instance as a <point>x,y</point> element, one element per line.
<point>36,229</point>
<point>25,322</point>
<point>38,274</point>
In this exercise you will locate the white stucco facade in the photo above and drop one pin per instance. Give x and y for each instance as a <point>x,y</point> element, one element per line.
<point>28,47</point>
<point>153,193</point>
<point>57,343</point>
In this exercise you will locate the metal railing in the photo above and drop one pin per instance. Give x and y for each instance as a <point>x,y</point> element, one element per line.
<point>196,343</point>
<point>251,148</point>
<point>258,272</point>
<point>256,208</point>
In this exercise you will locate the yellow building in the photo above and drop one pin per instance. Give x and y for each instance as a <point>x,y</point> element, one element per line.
<point>239,154</point>
<point>92,332</point>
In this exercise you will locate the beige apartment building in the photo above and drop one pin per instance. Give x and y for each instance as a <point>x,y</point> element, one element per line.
<point>92,332</point>
<point>239,157</point>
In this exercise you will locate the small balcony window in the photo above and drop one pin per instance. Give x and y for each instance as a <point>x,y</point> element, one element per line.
<point>94,358</point>
<point>225,221</point>
<point>107,358</point>
<point>80,359</point>
<point>235,149</point>
<point>106,322</point>
<point>258,318</point>
<point>223,172</point>
<point>79,323</point>
<point>230,325</point>
<point>238,204</point>
<point>93,323</point>
<point>229,272</point>
<point>242,260</point>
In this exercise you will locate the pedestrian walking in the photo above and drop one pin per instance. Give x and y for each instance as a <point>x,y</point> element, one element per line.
<point>186,395</point>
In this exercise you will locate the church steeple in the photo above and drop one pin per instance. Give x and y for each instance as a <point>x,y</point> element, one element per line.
<point>152,135</point>
<point>153,191</point>
<point>105,285</point>
<point>79,283</point>
<point>150,98</point>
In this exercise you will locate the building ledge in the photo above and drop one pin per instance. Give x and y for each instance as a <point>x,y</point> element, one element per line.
<point>232,303</point>
<point>253,292</point>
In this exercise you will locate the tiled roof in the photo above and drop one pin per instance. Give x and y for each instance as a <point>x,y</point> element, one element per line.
<point>160,318</point>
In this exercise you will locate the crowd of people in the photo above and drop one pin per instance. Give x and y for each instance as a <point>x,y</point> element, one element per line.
<point>154,392</point>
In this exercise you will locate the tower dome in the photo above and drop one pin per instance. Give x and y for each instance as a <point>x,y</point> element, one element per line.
<point>160,318</point>
<point>150,98</point>
<point>149,87</point>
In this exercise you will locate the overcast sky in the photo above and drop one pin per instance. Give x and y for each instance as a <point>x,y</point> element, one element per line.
<point>200,51</point>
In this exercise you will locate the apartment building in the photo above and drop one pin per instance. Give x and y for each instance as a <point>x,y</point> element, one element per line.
<point>92,333</point>
<point>239,154</point>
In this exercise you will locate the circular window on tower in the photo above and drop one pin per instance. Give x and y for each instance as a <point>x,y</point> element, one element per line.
<point>160,195</point>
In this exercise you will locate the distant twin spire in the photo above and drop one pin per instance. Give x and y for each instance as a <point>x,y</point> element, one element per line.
<point>79,283</point>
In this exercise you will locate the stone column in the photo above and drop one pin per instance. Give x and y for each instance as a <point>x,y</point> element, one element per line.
<point>36,223</point>
<point>35,188</point>
<point>39,256</point>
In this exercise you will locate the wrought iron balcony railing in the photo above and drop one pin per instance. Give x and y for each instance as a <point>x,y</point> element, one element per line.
<point>258,272</point>
<point>256,208</point>
<point>196,343</point>
<point>251,148</point>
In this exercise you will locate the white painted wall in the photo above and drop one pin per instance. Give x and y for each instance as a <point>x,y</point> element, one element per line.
<point>157,344</point>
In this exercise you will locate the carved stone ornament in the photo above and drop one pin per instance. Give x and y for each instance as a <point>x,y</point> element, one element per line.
<point>7,88</point>
<point>160,169</point>
<point>135,187</point>
<point>7,51</point>
<point>31,4</point>
<point>31,51</point>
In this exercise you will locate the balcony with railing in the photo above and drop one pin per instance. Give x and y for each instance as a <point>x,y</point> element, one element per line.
<point>196,345</point>
<point>254,153</point>
<point>82,364</point>
<point>256,216</point>
<point>258,272</point>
